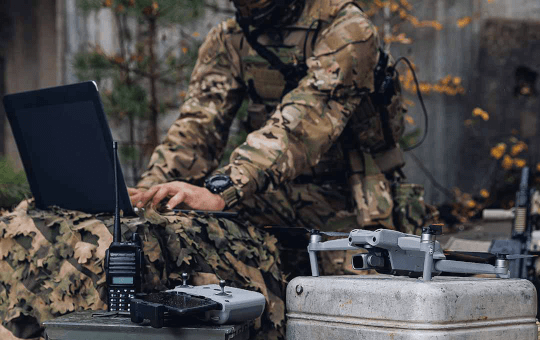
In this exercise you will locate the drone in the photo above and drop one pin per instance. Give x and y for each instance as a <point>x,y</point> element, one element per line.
<point>400,254</point>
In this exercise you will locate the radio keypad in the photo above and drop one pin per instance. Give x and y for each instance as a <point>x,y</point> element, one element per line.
<point>119,299</point>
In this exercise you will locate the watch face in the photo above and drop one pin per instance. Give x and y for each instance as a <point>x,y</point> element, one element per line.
<point>218,183</point>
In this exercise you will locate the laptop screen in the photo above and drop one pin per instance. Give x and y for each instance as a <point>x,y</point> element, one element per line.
<point>65,145</point>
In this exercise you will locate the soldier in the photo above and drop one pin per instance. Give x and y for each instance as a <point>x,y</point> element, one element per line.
<point>321,153</point>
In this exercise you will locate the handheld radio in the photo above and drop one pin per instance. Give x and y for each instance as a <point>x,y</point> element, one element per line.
<point>124,261</point>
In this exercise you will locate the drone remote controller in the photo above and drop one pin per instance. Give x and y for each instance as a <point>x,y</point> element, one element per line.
<point>212,303</point>
<point>238,305</point>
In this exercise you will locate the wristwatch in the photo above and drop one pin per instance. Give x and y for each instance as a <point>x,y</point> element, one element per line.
<point>222,185</point>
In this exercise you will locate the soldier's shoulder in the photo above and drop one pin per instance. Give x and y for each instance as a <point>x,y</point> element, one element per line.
<point>224,28</point>
<point>350,21</point>
<point>351,12</point>
<point>330,10</point>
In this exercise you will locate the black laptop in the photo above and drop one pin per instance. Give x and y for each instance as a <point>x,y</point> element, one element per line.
<point>66,148</point>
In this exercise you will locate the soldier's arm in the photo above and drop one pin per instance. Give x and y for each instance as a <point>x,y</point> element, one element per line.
<point>194,144</point>
<point>311,117</point>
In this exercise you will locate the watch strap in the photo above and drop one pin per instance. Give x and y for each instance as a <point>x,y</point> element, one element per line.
<point>230,196</point>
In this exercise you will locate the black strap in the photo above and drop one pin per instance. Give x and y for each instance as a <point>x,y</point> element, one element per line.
<point>382,97</point>
<point>291,73</point>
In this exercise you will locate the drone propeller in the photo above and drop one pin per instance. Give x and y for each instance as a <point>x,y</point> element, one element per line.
<point>518,256</point>
<point>480,257</point>
<point>303,230</point>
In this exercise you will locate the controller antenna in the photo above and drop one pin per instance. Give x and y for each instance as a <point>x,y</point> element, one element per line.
<point>117,232</point>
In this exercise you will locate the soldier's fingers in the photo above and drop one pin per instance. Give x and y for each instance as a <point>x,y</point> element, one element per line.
<point>176,199</point>
<point>146,196</point>
<point>161,194</point>
<point>134,191</point>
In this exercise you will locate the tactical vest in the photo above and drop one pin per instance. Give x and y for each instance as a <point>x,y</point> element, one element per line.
<point>375,135</point>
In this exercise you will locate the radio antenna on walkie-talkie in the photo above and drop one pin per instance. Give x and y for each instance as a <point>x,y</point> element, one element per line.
<point>117,236</point>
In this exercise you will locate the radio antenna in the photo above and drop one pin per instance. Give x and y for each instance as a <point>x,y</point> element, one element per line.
<point>117,233</point>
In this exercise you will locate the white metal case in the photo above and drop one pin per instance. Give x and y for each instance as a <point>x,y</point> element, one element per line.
<point>401,308</point>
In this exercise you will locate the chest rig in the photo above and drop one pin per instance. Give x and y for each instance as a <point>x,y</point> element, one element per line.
<point>274,65</point>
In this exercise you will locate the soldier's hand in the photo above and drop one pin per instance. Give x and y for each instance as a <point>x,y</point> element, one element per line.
<point>195,197</point>
<point>133,192</point>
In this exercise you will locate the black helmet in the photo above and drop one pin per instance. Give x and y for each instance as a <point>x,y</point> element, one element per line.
<point>268,12</point>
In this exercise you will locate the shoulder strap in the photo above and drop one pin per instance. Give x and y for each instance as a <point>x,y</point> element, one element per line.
<point>291,73</point>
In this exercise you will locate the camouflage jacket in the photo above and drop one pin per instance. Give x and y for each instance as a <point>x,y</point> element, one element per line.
<point>298,134</point>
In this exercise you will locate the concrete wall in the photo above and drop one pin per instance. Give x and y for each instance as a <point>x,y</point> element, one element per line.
<point>455,51</point>
<point>30,54</point>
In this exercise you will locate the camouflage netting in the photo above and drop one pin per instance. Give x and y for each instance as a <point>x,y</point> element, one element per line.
<point>52,262</point>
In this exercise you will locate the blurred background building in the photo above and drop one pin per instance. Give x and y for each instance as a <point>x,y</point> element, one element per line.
<point>488,48</point>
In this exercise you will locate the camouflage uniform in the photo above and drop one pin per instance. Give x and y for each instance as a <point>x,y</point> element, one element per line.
<point>294,152</point>
<point>292,171</point>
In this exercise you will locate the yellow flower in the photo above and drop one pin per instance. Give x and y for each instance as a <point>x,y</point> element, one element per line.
<point>409,120</point>
<point>484,193</point>
<point>498,151</point>
<point>464,22</point>
<point>406,4</point>
<point>507,162</point>
<point>195,34</point>
<point>471,203</point>
<point>155,5</point>
<point>457,81</point>
<point>485,116</point>
<point>185,50</point>
<point>520,162</point>
<point>477,112</point>
<point>518,148</point>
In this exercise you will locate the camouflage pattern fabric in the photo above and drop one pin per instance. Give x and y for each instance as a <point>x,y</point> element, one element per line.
<point>52,262</point>
<point>294,136</point>
<point>410,211</point>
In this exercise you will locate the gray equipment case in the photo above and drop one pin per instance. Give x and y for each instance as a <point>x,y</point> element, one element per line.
<point>84,326</point>
<point>400,308</point>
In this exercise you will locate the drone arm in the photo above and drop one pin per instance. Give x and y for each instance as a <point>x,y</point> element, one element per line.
<point>341,244</point>
<point>450,266</point>
<point>316,245</point>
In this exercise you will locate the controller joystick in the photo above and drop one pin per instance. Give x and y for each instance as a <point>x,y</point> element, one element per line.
<point>222,286</point>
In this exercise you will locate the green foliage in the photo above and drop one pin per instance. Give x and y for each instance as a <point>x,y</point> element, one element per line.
<point>126,99</point>
<point>91,66</point>
<point>13,184</point>
<point>129,153</point>
<point>138,66</point>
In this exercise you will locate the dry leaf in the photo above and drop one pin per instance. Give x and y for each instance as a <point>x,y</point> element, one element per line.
<point>83,251</point>
<point>200,279</point>
<point>6,245</point>
<point>252,275</point>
